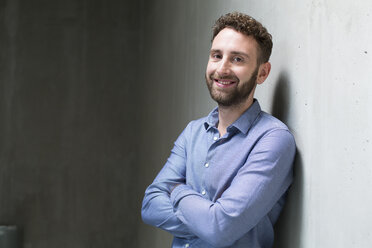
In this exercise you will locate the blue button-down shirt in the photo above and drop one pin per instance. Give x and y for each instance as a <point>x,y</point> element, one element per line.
<point>223,191</point>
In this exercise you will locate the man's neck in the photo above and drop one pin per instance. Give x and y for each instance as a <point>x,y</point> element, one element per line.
<point>229,114</point>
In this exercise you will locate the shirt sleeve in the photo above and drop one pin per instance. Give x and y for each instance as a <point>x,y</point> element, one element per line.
<point>256,188</point>
<point>157,209</point>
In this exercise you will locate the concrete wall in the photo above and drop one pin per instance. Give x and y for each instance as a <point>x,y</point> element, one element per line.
<point>68,119</point>
<point>319,85</point>
<point>94,93</point>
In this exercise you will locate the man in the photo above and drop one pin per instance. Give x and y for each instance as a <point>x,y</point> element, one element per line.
<point>224,183</point>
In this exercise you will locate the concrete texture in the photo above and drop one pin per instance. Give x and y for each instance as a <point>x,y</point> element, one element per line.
<point>68,114</point>
<point>94,93</point>
<point>319,85</point>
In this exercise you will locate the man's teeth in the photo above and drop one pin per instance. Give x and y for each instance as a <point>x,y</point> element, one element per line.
<point>224,82</point>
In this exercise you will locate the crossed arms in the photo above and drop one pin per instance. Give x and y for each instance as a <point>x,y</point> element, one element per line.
<point>172,204</point>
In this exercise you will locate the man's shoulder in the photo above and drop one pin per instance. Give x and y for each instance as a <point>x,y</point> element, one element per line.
<point>266,123</point>
<point>197,124</point>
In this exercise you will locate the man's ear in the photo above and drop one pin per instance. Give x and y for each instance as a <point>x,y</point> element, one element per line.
<point>263,72</point>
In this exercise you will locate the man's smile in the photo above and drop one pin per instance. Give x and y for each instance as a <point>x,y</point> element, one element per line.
<point>224,83</point>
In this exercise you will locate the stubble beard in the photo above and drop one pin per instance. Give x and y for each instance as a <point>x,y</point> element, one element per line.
<point>239,95</point>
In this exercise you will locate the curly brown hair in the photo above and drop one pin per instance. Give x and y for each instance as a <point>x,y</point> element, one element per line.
<point>249,26</point>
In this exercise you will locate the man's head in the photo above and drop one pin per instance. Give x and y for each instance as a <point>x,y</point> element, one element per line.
<point>238,59</point>
<point>247,25</point>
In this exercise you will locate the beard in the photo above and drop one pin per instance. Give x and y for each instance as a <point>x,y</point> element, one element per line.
<point>234,97</point>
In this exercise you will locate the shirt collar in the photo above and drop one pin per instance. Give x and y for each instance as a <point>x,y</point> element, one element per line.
<point>243,123</point>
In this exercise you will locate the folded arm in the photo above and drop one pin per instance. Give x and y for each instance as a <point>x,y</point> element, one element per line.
<point>256,188</point>
<point>157,209</point>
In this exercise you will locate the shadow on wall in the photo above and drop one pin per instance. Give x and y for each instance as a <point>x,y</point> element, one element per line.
<point>288,228</point>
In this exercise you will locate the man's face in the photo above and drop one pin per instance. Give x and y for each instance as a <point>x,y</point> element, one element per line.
<point>232,67</point>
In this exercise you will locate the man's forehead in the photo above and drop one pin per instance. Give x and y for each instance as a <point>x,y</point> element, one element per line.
<point>229,31</point>
<point>232,41</point>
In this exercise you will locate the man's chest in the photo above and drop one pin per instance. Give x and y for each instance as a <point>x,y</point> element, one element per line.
<point>213,163</point>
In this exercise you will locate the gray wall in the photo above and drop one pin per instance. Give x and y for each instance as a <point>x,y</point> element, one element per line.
<point>319,85</point>
<point>94,93</point>
<point>68,107</point>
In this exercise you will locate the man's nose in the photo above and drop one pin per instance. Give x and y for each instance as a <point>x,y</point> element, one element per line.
<point>223,67</point>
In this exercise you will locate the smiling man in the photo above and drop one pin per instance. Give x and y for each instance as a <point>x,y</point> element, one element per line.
<point>225,181</point>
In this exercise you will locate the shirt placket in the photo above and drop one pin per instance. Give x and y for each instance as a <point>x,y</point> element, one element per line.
<point>213,140</point>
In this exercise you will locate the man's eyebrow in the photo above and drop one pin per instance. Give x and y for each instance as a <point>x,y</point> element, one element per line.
<point>240,53</point>
<point>233,52</point>
<point>215,51</point>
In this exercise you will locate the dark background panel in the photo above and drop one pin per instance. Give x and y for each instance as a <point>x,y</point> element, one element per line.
<point>67,129</point>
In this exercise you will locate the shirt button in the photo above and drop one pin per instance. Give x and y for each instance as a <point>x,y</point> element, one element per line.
<point>206,165</point>
<point>187,245</point>
<point>215,138</point>
<point>203,192</point>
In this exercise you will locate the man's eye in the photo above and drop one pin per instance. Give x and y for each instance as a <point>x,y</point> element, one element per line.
<point>216,56</point>
<point>237,59</point>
